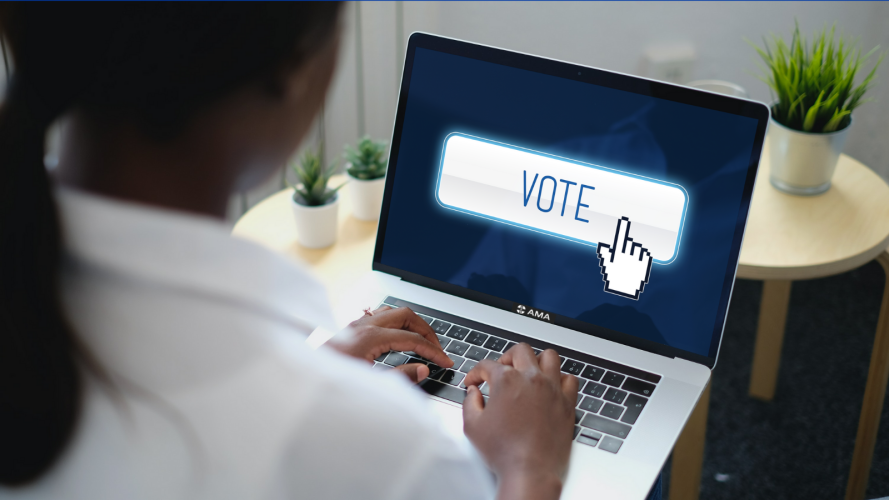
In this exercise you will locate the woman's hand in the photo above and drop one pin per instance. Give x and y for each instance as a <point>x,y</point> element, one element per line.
<point>524,430</point>
<point>390,329</point>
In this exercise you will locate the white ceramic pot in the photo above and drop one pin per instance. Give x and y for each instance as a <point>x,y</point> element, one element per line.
<point>366,197</point>
<point>316,227</point>
<point>803,162</point>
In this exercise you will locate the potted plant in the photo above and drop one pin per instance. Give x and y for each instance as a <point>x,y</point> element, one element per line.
<point>314,203</point>
<point>815,95</point>
<point>367,170</point>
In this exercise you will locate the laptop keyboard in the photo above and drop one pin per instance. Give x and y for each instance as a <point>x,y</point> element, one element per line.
<point>610,399</point>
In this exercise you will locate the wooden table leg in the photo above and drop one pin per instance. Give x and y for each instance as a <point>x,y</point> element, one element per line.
<point>688,454</point>
<point>769,337</point>
<point>874,393</point>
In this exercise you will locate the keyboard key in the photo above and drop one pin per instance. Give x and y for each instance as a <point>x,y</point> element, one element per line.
<point>610,444</point>
<point>444,391</point>
<point>592,373</point>
<point>382,356</point>
<point>395,359</point>
<point>615,395</point>
<point>536,350</point>
<point>435,371</point>
<point>634,406</point>
<point>612,411</point>
<point>451,377</point>
<point>614,379</point>
<point>605,425</point>
<point>495,344</point>
<point>508,346</point>
<point>590,434</point>
<point>485,389</point>
<point>638,386</point>
<point>572,367</point>
<point>444,341</point>
<point>587,440</point>
<point>458,332</point>
<point>576,431</point>
<point>440,327</point>
<point>458,361</point>
<point>591,405</point>
<point>594,389</point>
<point>477,338</point>
<point>393,306</point>
<point>578,415</point>
<point>476,353</point>
<point>458,348</point>
<point>469,364</point>
<point>579,398</point>
<point>427,319</point>
<point>494,356</point>
<point>382,367</point>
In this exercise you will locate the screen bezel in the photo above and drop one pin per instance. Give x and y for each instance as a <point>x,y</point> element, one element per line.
<point>637,85</point>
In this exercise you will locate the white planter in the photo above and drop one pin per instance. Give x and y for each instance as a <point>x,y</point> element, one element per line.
<point>316,227</point>
<point>366,197</point>
<point>802,162</point>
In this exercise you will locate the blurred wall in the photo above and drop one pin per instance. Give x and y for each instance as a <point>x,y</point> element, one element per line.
<point>607,35</point>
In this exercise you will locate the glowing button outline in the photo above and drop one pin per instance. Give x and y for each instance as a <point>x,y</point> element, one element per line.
<point>567,160</point>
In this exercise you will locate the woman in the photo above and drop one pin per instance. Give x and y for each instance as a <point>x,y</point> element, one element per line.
<point>146,354</point>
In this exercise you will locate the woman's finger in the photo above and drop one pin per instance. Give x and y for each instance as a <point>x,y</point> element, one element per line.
<point>550,364</point>
<point>416,372</point>
<point>485,371</point>
<point>473,405</point>
<point>387,339</point>
<point>570,385</point>
<point>520,357</point>
<point>405,319</point>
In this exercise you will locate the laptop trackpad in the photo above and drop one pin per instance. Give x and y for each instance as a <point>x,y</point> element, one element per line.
<point>452,417</point>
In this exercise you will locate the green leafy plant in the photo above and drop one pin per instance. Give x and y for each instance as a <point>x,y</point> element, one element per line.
<point>814,83</point>
<point>311,188</point>
<point>367,159</point>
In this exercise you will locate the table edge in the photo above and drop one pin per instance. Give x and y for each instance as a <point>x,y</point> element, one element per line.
<point>753,272</point>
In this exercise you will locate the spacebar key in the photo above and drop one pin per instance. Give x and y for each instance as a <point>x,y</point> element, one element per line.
<point>605,425</point>
<point>444,391</point>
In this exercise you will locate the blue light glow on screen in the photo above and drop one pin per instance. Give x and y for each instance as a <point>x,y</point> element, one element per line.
<point>706,152</point>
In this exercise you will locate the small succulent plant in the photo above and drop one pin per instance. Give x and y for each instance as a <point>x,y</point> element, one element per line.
<point>366,159</point>
<point>311,188</point>
<point>815,84</point>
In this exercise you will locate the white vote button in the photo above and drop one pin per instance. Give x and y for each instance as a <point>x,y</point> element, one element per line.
<point>568,199</point>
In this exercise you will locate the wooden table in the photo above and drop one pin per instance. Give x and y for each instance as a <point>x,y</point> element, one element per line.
<point>795,238</point>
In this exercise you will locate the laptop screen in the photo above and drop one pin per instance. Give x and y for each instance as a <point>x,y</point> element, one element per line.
<point>604,203</point>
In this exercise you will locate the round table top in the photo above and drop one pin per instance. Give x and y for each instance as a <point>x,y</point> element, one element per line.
<point>801,237</point>
<point>270,223</point>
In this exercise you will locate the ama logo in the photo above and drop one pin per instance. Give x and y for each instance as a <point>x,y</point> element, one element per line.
<point>534,313</point>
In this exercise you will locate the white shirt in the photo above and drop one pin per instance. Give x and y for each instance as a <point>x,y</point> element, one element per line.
<point>217,395</point>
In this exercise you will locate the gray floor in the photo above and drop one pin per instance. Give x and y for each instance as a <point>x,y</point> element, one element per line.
<point>799,445</point>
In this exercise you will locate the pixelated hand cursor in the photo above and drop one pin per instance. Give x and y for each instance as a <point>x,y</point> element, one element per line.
<point>625,263</point>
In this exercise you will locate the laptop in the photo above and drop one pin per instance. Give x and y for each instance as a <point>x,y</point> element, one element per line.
<point>595,213</point>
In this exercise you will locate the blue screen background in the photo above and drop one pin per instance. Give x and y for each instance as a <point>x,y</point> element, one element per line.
<point>705,151</point>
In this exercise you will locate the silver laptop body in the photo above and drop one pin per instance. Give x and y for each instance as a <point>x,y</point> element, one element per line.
<point>682,376</point>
